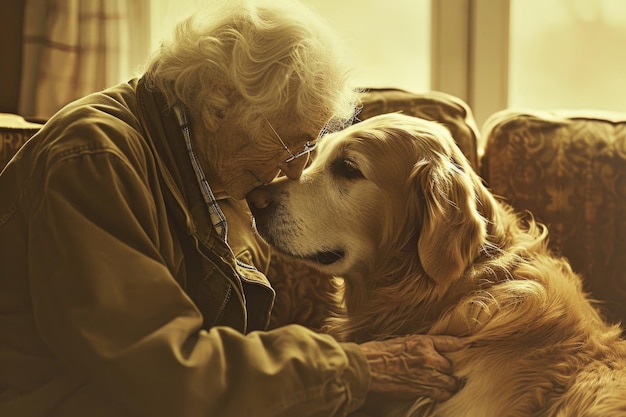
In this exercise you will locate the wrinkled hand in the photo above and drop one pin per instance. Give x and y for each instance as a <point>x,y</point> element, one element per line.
<point>412,366</point>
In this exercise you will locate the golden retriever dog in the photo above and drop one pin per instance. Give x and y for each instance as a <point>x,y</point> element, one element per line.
<point>393,207</point>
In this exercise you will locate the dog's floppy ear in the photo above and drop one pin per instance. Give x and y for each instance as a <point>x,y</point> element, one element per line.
<point>453,230</point>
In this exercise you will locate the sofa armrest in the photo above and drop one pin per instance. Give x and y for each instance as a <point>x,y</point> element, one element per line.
<point>14,132</point>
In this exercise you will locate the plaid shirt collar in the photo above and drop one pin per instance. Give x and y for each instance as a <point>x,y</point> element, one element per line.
<point>217,216</point>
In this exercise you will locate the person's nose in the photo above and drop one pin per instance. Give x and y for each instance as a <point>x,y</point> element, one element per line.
<point>258,199</point>
<point>293,170</point>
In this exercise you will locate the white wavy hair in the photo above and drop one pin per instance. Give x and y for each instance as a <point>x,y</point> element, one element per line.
<point>260,58</point>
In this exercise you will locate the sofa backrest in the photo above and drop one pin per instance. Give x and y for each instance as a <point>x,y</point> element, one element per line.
<point>568,168</point>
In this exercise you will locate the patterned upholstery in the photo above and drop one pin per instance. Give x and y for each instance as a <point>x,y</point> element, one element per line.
<point>569,170</point>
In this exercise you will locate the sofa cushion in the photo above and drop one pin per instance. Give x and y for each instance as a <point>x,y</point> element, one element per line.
<point>568,168</point>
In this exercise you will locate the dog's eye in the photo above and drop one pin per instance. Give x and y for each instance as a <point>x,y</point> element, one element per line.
<point>346,168</point>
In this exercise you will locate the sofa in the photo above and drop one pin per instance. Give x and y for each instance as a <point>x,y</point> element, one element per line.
<point>567,169</point>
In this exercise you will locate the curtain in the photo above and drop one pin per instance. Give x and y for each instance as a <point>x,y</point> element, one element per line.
<point>75,47</point>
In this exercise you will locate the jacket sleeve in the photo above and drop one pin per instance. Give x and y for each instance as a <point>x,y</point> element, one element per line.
<point>107,305</point>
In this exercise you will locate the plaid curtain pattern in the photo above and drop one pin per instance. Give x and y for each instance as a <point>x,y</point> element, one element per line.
<point>75,47</point>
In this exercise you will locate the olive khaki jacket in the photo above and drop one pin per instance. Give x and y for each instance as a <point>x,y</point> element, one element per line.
<point>118,298</point>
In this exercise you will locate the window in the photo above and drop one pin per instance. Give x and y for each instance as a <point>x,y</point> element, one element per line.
<point>540,54</point>
<point>164,14</point>
<point>568,54</point>
<point>389,40</point>
<point>493,54</point>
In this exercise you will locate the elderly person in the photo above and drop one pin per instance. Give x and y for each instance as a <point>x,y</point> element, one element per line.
<point>119,292</point>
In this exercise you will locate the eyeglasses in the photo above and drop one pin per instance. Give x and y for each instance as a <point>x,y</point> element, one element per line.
<point>308,146</point>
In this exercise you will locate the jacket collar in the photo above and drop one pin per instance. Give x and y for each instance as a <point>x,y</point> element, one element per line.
<point>165,136</point>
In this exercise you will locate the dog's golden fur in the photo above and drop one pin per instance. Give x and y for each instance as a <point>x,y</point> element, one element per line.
<point>393,207</point>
